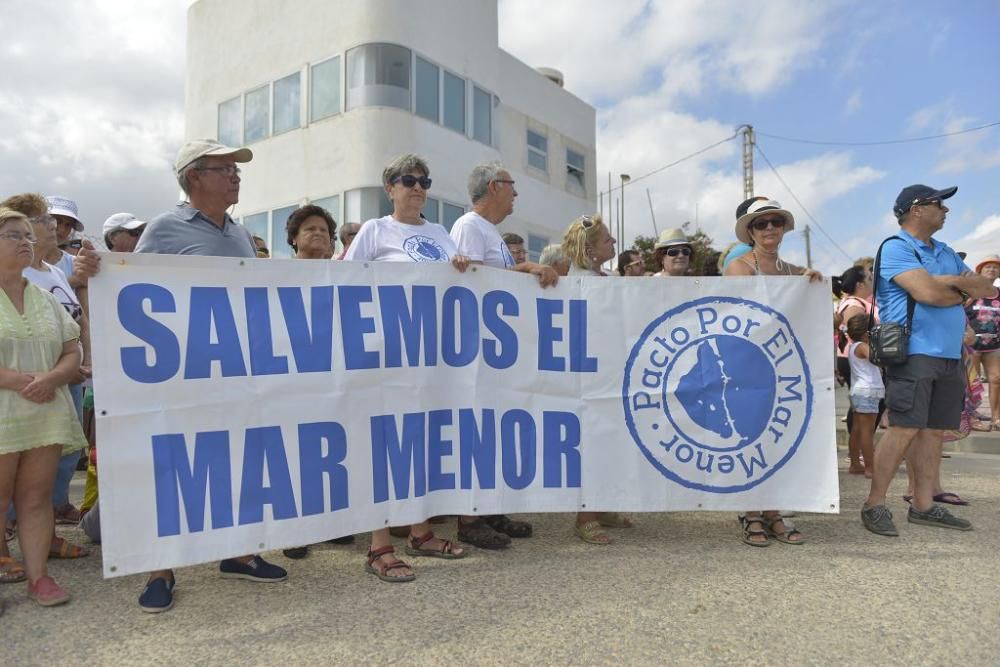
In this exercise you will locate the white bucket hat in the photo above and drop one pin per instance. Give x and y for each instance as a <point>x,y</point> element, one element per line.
<point>756,210</point>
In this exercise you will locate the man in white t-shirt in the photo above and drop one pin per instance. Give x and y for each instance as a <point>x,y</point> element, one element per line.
<point>475,235</point>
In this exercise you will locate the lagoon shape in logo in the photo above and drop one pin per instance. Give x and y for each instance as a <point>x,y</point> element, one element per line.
<point>424,249</point>
<point>726,388</point>
<point>717,393</point>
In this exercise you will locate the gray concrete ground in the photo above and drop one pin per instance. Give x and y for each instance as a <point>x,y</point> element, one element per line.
<point>676,589</point>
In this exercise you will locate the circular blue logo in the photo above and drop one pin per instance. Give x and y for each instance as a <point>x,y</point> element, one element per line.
<point>424,249</point>
<point>717,393</point>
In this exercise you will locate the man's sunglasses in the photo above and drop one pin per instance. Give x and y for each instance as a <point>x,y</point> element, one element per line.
<point>760,224</point>
<point>409,180</point>
<point>673,252</point>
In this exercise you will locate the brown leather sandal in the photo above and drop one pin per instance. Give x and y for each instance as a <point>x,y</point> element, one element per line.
<point>380,568</point>
<point>446,550</point>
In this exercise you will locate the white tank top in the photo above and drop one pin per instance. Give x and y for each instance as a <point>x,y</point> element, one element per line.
<point>866,379</point>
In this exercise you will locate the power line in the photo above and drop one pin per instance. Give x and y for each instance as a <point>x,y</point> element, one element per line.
<point>801,205</point>
<point>877,143</point>
<point>674,163</point>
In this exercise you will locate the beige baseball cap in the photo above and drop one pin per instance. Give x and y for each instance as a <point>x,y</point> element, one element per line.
<point>193,150</point>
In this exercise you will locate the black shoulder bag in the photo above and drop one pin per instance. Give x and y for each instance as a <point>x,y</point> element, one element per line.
<point>889,342</point>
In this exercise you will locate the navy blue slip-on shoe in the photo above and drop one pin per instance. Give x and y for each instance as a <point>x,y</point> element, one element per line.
<point>256,570</point>
<point>157,596</point>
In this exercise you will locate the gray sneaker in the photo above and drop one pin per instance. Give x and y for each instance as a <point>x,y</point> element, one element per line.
<point>938,516</point>
<point>878,519</point>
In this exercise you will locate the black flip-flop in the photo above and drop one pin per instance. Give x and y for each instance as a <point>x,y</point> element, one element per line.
<point>940,498</point>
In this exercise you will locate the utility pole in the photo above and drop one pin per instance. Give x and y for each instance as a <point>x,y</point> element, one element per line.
<point>625,178</point>
<point>749,140</point>
<point>649,198</point>
<point>809,261</point>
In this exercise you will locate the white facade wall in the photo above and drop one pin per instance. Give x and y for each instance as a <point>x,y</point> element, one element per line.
<point>235,46</point>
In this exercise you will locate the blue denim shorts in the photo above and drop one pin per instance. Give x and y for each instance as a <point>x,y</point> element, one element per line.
<point>865,404</point>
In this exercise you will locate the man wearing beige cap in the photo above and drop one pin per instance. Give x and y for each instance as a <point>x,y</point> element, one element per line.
<point>207,173</point>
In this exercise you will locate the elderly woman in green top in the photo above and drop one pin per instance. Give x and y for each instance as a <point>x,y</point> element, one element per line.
<point>39,356</point>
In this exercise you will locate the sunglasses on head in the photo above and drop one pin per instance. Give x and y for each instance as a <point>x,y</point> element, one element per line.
<point>760,224</point>
<point>673,252</point>
<point>409,180</point>
<point>586,221</point>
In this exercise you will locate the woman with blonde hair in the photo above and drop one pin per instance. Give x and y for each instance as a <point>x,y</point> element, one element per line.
<point>587,244</point>
<point>39,357</point>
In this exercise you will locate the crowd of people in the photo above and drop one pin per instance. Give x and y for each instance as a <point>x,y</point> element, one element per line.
<point>45,346</point>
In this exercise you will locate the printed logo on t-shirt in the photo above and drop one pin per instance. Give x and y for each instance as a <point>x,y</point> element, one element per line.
<point>424,249</point>
<point>508,259</point>
<point>67,301</point>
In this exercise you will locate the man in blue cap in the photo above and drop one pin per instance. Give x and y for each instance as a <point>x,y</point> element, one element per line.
<point>924,395</point>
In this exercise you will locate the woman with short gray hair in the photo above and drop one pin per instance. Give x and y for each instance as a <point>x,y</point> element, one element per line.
<point>552,255</point>
<point>406,236</point>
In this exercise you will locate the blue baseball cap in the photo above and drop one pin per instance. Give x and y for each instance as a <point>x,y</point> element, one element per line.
<point>918,194</point>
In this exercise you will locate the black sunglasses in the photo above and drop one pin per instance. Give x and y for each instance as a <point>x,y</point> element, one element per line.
<point>760,224</point>
<point>673,252</point>
<point>409,180</point>
<point>134,233</point>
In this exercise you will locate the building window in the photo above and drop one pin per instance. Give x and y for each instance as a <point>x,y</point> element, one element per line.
<point>482,116</point>
<point>256,124</point>
<point>256,224</point>
<point>449,214</point>
<point>332,206</point>
<point>431,210</point>
<point>538,151</point>
<point>324,89</point>
<point>279,237</point>
<point>230,125</point>
<point>366,203</point>
<point>454,102</point>
<point>378,75</point>
<point>535,246</point>
<point>574,169</point>
<point>428,91</point>
<point>287,109</point>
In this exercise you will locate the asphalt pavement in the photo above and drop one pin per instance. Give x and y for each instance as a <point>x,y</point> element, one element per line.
<point>676,589</point>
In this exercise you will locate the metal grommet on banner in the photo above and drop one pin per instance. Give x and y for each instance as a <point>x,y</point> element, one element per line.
<point>242,262</point>
<point>584,506</point>
<point>104,413</point>
<point>366,266</point>
<point>260,546</point>
<point>113,568</point>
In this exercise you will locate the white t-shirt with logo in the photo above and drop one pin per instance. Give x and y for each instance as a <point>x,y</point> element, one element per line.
<point>478,239</point>
<point>54,281</point>
<point>388,240</point>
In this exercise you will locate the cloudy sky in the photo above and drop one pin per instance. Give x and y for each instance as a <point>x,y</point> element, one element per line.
<point>92,105</point>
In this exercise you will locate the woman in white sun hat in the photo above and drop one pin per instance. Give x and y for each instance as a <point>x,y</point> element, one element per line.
<point>762,227</point>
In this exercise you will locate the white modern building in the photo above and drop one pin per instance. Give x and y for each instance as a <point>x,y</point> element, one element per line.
<point>327,92</point>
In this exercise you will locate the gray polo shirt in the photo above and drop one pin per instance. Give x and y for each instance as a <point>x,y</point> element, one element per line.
<point>187,231</point>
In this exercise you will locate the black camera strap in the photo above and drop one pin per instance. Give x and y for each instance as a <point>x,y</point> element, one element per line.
<point>911,304</point>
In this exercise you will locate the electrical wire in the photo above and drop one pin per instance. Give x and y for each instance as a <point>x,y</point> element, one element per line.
<point>801,205</point>
<point>672,164</point>
<point>876,143</point>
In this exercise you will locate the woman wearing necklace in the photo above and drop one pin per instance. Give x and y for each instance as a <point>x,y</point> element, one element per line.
<point>762,227</point>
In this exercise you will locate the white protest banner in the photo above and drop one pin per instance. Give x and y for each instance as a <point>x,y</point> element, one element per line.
<point>247,405</point>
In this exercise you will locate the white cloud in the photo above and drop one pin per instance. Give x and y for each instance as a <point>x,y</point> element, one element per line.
<point>853,103</point>
<point>981,241</point>
<point>92,103</point>
<point>608,49</point>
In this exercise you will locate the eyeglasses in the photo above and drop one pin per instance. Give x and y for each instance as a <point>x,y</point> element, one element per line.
<point>229,170</point>
<point>637,262</point>
<point>760,224</point>
<point>504,180</point>
<point>673,252</point>
<point>17,237</point>
<point>929,202</point>
<point>409,180</point>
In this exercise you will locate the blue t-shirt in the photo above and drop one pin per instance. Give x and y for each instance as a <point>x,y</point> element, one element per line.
<point>185,230</point>
<point>936,330</point>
